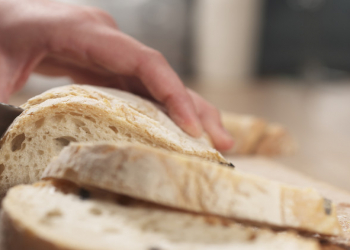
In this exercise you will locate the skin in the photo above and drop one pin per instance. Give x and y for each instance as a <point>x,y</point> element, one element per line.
<point>85,44</point>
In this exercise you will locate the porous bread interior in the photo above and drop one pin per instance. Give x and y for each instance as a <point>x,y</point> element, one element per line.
<point>106,221</point>
<point>42,130</point>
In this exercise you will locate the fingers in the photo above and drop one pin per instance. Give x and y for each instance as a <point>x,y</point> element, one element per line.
<point>123,55</point>
<point>166,87</point>
<point>211,121</point>
<point>91,74</point>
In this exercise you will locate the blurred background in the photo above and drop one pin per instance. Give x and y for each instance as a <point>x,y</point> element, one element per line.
<point>287,61</point>
<point>241,39</point>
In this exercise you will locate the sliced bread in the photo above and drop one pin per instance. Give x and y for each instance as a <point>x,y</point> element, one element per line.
<point>256,136</point>
<point>61,216</point>
<point>81,113</point>
<point>193,184</point>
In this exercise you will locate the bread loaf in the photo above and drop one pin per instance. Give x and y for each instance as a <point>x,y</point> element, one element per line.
<point>61,216</point>
<point>81,113</point>
<point>193,184</point>
<point>254,135</point>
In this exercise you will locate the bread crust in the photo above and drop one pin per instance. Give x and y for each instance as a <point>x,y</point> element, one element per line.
<point>254,135</point>
<point>193,184</point>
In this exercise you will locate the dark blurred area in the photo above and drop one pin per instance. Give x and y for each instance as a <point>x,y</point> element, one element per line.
<point>305,38</point>
<point>241,40</point>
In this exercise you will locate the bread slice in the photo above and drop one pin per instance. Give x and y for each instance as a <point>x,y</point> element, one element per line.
<point>81,113</point>
<point>275,171</point>
<point>193,184</point>
<point>61,216</point>
<point>255,136</point>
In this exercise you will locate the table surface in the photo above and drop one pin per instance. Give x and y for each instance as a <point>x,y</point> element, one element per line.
<point>316,115</point>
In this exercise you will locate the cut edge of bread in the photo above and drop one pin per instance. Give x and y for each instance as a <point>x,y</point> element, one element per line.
<point>135,226</point>
<point>193,184</point>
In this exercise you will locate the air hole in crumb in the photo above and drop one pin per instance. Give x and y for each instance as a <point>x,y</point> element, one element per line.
<point>75,114</point>
<point>7,157</point>
<point>26,179</point>
<point>39,123</point>
<point>16,143</point>
<point>252,236</point>
<point>65,140</point>
<point>90,119</point>
<point>40,152</point>
<point>58,118</point>
<point>86,130</point>
<point>114,129</point>
<point>154,248</point>
<point>95,211</point>
<point>128,135</point>
<point>44,137</point>
<point>2,168</point>
<point>149,142</point>
<point>78,123</point>
<point>53,213</point>
<point>29,139</point>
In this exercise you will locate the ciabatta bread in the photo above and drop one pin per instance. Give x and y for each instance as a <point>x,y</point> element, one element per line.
<point>81,113</point>
<point>254,135</point>
<point>193,184</point>
<point>60,216</point>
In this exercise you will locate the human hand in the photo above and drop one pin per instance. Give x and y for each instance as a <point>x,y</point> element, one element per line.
<point>85,44</point>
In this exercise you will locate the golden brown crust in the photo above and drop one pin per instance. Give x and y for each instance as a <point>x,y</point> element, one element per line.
<point>254,135</point>
<point>246,131</point>
<point>275,141</point>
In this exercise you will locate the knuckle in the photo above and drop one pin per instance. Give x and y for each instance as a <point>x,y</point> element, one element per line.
<point>98,15</point>
<point>213,111</point>
<point>85,14</point>
<point>147,59</point>
<point>103,13</point>
<point>91,14</point>
<point>155,55</point>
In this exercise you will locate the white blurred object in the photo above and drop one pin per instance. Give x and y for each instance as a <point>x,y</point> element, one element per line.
<point>226,38</point>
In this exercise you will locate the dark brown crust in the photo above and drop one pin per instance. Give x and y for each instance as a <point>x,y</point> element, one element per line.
<point>15,237</point>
